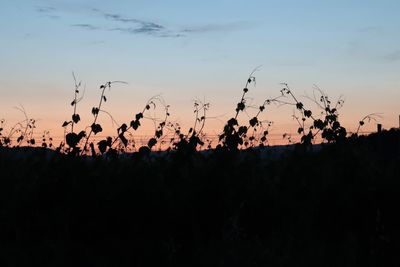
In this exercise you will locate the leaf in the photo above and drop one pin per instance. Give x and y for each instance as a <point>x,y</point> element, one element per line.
<point>72,139</point>
<point>242,130</point>
<point>96,128</point>
<point>102,145</point>
<point>139,116</point>
<point>152,142</point>
<point>135,124</point>
<point>307,113</point>
<point>104,98</point>
<point>66,123</point>
<point>240,106</point>
<point>319,124</point>
<point>253,122</point>
<point>76,118</point>
<point>299,105</point>
<point>335,125</point>
<point>300,130</point>
<point>73,102</point>
<point>245,90</point>
<point>159,133</point>
<point>95,111</point>
<point>123,139</point>
<point>232,122</point>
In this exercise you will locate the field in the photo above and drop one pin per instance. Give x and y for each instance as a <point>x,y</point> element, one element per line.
<point>332,206</point>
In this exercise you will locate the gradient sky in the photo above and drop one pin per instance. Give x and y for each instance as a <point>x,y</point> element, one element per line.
<point>197,49</point>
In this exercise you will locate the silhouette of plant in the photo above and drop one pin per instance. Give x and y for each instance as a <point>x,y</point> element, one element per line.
<point>328,125</point>
<point>159,131</point>
<point>47,140</point>
<point>235,135</point>
<point>232,135</point>
<point>95,127</point>
<point>188,143</point>
<point>24,129</point>
<point>368,118</point>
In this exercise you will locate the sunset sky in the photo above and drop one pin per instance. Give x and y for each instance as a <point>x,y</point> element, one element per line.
<point>186,50</point>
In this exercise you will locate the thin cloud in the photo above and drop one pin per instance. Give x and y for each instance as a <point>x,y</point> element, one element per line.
<point>134,26</point>
<point>45,9</point>
<point>128,25</point>
<point>47,12</point>
<point>86,26</point>
<point>216,28</point>
<point>393,56</point>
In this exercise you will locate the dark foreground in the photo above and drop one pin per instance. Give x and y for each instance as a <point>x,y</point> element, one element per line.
<point>338,206</point>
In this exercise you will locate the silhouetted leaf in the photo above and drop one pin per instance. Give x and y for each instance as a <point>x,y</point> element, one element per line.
<point>299,105</point>
<point>72,139</point>
<point>159,133</point>
<point>76,118</point>
<point>242,130</point>
<point>253,122</point>
<point>307,113</point>
<point>319,124</point>
<point>135,124</point>
<point>123,139</point>
<point>152,142</point>
<point>335,125</point>
<point>96,128</point>
<point>232,122</point>
<point>95,111</point>
<point>300,130</point>
<point>139,116</point>
<point>102,145</point>
<point>240,107</point>
<point>123,128</point>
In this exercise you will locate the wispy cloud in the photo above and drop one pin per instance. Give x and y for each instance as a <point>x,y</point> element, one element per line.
<point>86,26</point>
<point>135,26</point>
<point>216,28</point>
<point>393,56</point>
<point>47,11</point>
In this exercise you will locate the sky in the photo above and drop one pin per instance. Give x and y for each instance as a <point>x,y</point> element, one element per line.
<point>188,50</point>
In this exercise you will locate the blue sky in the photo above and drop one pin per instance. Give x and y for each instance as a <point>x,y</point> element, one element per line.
<point>198,49</point>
